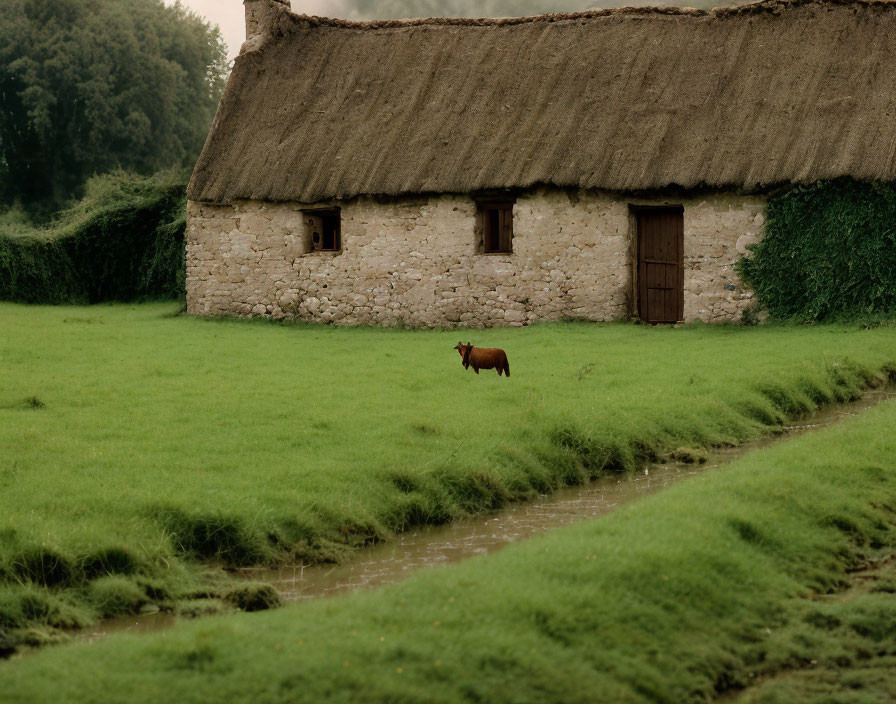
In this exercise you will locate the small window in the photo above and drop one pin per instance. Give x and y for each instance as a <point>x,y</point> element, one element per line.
<point>496,227</point>
<point>322,230</point>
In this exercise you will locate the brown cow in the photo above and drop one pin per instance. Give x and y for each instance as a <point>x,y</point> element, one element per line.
<point>483,358</point>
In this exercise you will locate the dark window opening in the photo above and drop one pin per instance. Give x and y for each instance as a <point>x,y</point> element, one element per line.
<point>496,225</point>
<point>323,230</point>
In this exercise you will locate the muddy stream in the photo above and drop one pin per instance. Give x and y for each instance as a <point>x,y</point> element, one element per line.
<point>429,546</point>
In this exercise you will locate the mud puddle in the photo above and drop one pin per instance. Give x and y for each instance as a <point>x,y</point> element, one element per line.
<point>430,546</point>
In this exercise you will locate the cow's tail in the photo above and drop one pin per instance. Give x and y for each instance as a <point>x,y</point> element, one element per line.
<point>506,367</point>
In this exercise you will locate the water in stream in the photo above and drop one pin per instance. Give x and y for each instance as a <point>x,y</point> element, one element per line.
<point>429,546</point>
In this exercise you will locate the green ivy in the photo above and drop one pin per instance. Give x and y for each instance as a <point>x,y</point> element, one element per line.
<point>829,251</point>
<point>123,242</point>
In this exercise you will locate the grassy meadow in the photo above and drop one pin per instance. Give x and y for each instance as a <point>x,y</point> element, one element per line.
<point>771,579</point>
<point>139,445</point>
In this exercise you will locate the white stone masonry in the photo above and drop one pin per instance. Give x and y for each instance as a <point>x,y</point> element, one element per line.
<point>413,261</point>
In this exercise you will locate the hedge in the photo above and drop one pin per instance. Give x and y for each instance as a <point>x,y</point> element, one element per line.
<point>123,242</point>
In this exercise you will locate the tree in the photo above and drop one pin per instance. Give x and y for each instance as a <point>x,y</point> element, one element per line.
<point>89,86</point>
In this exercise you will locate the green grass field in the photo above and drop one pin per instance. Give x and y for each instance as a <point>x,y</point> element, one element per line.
<point>138,444</point>
<point>774,574</point>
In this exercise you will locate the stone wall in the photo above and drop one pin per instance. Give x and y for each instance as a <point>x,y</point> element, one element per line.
<point>414,261</point>
<point>717,230</point>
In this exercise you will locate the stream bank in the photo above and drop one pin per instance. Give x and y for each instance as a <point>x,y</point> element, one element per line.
<point>429,546</point>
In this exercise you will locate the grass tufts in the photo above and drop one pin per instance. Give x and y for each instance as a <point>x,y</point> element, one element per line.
<point>213,537</point>
<point>29,606</point>
<point>688,455</point>
<point>254,597</point>
<point>405,481</point>
<point>109,561</point>
<point>598,455</point>
<point>116,595</point>
<point>845,525</point>
<point>44,566</point>
<point>417,509</point>
<point>751,533</point>
<point>474,491</point>
<point>195,608</point>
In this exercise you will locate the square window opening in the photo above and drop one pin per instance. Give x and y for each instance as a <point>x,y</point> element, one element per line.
<point>323,230</point>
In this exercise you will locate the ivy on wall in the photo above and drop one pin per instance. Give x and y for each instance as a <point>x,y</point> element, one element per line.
<point>829,251</point>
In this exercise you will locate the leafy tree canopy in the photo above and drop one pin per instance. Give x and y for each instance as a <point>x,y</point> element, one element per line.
<point>89,86</point>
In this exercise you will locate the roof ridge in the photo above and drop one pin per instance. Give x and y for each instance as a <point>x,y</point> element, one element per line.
<point>761,6</point>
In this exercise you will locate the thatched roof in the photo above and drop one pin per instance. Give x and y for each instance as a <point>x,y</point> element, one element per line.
<point>624,100</point>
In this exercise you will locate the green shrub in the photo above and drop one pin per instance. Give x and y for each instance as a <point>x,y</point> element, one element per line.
<point>37,270</point>
<point>827,253</point>
<point>124,241</point>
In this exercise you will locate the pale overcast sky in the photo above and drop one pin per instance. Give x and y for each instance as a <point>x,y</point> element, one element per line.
<point>229,16</point>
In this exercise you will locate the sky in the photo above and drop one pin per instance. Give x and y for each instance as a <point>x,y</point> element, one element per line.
<point>229,16</point>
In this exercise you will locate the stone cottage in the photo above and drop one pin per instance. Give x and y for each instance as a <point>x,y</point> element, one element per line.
<point>597,165</point>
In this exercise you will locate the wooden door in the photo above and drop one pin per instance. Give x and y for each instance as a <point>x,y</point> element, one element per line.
<point>661,265</point>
